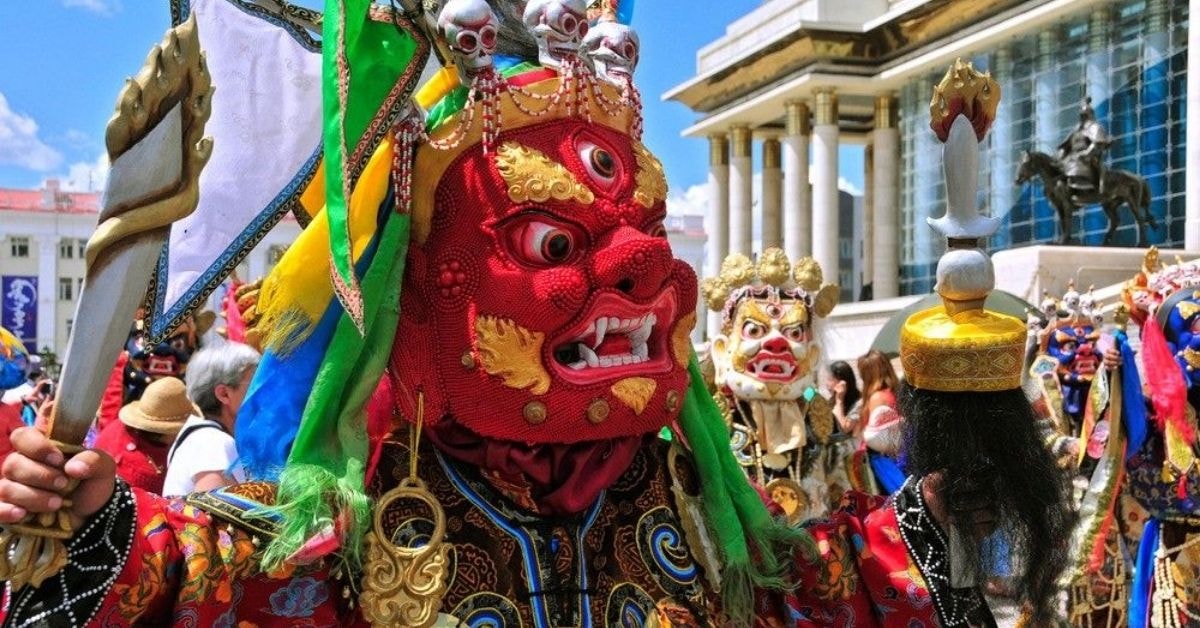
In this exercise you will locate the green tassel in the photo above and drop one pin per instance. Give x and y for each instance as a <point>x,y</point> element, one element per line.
<point>308,497</point>
<point>737,594</point>
<point>324,477</point>
<point>758,551</point>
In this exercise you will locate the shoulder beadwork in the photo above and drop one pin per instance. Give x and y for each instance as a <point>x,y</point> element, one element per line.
<point>242,505</point>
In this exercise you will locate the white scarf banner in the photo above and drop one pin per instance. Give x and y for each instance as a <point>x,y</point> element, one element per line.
<point>266,131</point>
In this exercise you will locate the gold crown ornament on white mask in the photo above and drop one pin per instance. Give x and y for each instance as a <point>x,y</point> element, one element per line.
<point>767,353</point>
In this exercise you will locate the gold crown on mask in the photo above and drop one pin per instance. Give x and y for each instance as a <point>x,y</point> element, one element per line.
<point>584,76</point>
<point>773,277</point>
<point>1073,309</point>
<point>959,346</point>
<point>1156,284</point>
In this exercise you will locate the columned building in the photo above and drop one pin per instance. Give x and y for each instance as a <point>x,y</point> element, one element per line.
<point>43,235</point>
<point>794,79</point>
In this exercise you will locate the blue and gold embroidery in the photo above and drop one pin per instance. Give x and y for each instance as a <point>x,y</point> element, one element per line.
<point>487,610</point>
<point>661,544</point>
<point>628,607</point>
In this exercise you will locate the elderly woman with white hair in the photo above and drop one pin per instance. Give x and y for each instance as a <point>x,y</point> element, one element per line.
<point>204,452</point>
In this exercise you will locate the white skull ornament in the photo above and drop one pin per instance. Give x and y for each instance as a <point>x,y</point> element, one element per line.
<point>559,27</point>
<point>1088,306</point>
<point>1049,307</point>
<point>1071,299</point>
<point>614,49</point>
<point>469,28</point>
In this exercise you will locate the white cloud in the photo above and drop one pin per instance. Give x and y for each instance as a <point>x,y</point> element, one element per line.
<point>693,201</point>
<point>86,176</point>
<point>74,138</point>
<point>846,185</point>
<point>100,7</point>
<point>20,144</point>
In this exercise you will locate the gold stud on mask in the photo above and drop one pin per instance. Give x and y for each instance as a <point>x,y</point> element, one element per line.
<point>535,412</point>
<point>597,412</point>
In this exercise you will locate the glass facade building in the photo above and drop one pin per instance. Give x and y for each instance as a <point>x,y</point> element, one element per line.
<point>1130,58</point>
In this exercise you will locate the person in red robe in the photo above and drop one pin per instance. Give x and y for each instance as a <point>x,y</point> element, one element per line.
<point>523,303</point>
<point>10,419</point>
<point>140,440</point>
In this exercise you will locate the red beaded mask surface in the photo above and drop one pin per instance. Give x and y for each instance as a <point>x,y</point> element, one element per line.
<point>550,308</point>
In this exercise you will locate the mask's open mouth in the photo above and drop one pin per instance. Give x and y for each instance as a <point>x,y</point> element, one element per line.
<point>156,365</point>
<point>778,367</point>
<point>617,338</point>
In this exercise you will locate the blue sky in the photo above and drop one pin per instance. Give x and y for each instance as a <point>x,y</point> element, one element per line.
<point>62,63</point>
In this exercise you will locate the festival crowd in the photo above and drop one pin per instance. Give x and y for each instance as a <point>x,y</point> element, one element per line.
<point>166,436</point>
<point>467,394</point>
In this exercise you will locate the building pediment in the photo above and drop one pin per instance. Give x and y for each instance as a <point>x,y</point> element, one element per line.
<point>827,48</point>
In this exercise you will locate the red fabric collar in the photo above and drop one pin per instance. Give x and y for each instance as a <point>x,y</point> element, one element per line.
<point>547,479</point>
<point>550,479</point>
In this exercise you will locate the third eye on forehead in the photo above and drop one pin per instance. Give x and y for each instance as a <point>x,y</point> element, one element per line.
<point>785,312</point>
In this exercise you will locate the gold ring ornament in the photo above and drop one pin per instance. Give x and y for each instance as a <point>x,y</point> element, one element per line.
<point>404,586</point>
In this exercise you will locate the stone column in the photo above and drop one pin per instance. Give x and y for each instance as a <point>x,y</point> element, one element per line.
<point>866,243</point>
<point>886,193</point>
<point>772,191</point>
<point>1191,227</point>
<point>797,197</point>
<point>741,194</point>
<point>46,248</point>
<point>825,184</point>
<point>718,216</point>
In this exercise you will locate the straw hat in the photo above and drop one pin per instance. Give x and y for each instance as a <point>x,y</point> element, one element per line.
<point>163,408</point>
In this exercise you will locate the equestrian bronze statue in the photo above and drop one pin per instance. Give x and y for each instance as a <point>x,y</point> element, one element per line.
<point>1077,177</point>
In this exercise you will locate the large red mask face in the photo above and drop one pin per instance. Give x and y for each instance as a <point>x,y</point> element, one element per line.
<point>545,306</point>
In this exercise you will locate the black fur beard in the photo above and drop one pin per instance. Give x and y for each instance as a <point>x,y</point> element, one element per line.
<point>989,452</point>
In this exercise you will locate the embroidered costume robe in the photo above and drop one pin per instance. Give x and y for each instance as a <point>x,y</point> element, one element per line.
<point>637,555</point>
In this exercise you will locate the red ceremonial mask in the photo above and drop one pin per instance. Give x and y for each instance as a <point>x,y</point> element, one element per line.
<point>550,307</point>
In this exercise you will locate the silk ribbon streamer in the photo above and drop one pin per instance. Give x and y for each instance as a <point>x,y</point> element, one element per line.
<point>367,64</point>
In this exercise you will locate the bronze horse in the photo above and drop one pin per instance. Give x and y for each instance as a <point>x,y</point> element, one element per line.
<point>1120,187</point>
